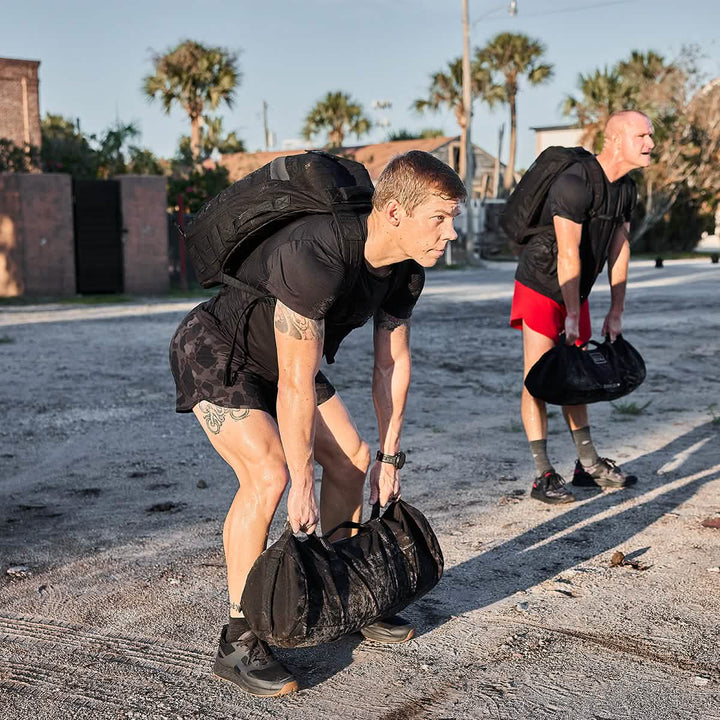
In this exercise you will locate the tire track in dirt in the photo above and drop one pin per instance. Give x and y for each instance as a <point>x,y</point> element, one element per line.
<point>58,674</point>
<point>111,645</point>
<point>129,689</point>
<point>629,646</point>
<point>53,681</point>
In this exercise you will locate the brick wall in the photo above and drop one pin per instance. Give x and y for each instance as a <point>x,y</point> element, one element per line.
<point>145,238</point>
<point>19,101</point>
<point>37,254</point>
<point>11,260</point>
<point>37,241</point>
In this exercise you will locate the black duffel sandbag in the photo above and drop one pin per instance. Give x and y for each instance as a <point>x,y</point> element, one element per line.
<point>572,375</point>
<point>303,592</point>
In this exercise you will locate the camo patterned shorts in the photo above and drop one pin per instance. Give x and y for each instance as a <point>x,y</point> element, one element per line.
<point>198,356</point>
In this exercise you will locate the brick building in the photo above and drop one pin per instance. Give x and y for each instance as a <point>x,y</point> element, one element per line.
<point>19,101</point>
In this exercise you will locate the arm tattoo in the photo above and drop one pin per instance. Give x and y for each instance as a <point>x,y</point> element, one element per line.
<point>214,415</point>
<point>385,321</point>
<point>288,322</point>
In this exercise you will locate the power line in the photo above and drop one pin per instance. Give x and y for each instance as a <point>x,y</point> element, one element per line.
<point>576,9</point>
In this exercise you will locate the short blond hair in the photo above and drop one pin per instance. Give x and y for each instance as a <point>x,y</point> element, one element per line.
<point>412,177</point>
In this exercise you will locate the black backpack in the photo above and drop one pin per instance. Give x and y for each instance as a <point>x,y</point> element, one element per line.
<point>521,216</point>
<point>238,219</point>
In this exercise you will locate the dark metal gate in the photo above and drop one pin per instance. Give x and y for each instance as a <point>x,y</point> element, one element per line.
<point>98,236</point>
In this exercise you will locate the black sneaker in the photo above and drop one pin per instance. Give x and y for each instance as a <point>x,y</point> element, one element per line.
<point>550,488</point>
<point>605,473</point>
<point>249,664</point>
<point>389,630</point>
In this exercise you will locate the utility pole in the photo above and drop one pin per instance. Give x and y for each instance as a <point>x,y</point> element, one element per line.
<point>496,169</point>
<point>266,133</point>
<point>467,114</point>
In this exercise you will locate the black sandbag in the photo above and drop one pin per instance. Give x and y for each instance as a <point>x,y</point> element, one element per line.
<point>594,372</point>
<point>303,592</point>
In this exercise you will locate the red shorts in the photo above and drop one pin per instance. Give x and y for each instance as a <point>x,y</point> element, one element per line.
<point>544,315</point>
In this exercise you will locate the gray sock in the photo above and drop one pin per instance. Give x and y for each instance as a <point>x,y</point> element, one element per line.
<point>538,448</point>
<point>585,449</point>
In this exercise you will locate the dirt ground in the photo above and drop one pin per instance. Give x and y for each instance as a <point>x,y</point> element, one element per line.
<point>111,505</point>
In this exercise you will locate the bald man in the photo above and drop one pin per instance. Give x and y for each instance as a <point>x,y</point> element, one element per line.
<point>555,274</point>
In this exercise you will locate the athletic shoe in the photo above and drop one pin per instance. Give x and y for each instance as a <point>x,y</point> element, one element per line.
<point>605,473</point>
<point>389,630</point>
<point>249,664</point>
<point>550,488</point>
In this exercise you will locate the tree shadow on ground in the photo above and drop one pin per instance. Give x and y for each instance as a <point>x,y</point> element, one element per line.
<point>556,545</point>
<point>545,550</point>
<point>538,554</point>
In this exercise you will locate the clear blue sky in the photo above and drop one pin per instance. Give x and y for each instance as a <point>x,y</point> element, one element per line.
<point>95,54</point>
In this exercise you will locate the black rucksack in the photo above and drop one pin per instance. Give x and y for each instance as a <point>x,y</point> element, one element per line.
<point>521,216</point>
<point>235,221</point>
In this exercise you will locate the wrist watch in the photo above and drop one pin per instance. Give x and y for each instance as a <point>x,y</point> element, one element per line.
<point>398,459</point>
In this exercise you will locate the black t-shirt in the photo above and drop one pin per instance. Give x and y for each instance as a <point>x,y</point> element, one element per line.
<point>571,197</point>
<point>303,266</point>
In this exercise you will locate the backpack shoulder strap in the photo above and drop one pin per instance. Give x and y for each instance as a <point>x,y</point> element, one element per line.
<point>352,236</point>
<point>596,176</point>
<point>598,181</point>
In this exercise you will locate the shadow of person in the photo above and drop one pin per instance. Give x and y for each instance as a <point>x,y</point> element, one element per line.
<point>668,477</point>
<point>314,665</point>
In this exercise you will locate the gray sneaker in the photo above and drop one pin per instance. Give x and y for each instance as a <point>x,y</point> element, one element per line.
<point>249,663</point>
<point>605,473</point>
<point>389,630</point>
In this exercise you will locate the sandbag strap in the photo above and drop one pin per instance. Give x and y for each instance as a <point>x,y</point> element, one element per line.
<point>374,515</point>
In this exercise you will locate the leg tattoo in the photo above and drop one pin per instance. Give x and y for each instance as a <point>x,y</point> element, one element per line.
<point>214,415</point>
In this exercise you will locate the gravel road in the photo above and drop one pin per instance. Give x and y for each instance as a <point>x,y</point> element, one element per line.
<point>111,506</point>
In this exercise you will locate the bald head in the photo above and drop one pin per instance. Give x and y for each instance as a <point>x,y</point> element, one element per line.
<point>627,143</point>
<point>619,122</point>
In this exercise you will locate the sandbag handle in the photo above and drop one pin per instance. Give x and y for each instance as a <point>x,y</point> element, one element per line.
<point>607,341</point>
<point>342,526</point>
<point>374,514</point>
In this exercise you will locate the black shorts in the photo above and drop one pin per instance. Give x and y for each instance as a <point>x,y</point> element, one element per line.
<point>198,356</point>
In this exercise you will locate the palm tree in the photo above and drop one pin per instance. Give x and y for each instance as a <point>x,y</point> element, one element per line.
<point>653,83</point>
<point>212,137</point>
<point>110,152</point>
<point>194,76</point>
<point>338,114</point>
<point>508,57</point>
<point>446,91</point>
<point>602,93</point>
<point>425,133</point>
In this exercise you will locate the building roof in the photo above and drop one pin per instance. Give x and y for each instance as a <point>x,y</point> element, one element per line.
<point>241,164</point>
<point>541,128</point>
<point>374,157</point>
